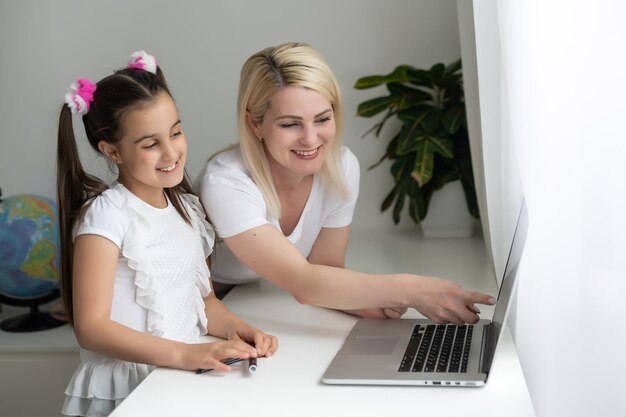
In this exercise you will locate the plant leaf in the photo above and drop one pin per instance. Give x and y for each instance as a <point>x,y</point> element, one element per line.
<point>413,114</point>
<point>397,208</point>
<point>409,139</point>
<point>402,167</point>
<point>425,158</point>
<point>417,210</point>
<point>389,199</point>
<point>431,122</point>
<point>445,171</point>
<point>424,163</point>
<point>443,146</point>
<point>413,211</point>
<point>382,122</point>
<point>400,74</point>
<point>376,127</point>
<point>453,68</point>
<point>390,152</point>
<point>392,147</point>
<point>420,77</point>
<point>375,164</point>
<point>436,73</point>
<point>453,95</point>
<point>406,97</point>
<point>414,125</point>
<point>374,106</point>
<point>420,128</point>
<point>453,119</point>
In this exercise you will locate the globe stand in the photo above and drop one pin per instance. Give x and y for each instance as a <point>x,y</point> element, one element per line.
<point>35,320</point>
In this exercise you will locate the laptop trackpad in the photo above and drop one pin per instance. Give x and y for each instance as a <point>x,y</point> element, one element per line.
<point>373,345</point>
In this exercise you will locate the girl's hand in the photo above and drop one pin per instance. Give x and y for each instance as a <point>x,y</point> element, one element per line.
<point>264,344</point>
<point>210,355</point>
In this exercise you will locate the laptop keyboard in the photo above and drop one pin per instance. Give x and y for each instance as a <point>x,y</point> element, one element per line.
<point>438,348</point>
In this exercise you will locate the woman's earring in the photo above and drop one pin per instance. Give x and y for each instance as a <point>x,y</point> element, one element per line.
<point>261,139</point>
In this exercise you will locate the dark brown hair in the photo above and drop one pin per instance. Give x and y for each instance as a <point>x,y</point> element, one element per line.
<point>115,96</point>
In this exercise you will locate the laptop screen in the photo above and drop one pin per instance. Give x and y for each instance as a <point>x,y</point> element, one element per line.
<point>508,285</point>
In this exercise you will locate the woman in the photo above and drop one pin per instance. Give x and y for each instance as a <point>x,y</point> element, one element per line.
<point>282,200</point>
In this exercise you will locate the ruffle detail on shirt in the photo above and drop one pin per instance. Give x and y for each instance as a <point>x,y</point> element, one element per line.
<point>133,249</point>
<point>98,386</point>
<point>201,223</point>
<point>207,234</point>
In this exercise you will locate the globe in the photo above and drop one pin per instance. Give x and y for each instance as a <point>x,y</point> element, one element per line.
<point>29,259</point>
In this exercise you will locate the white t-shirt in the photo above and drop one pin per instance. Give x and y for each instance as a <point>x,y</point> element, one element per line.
<point>234,204</point>
<point>161,276</point>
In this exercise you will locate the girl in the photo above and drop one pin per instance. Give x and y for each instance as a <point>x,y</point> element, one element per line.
<point>134,275</point>
<point>292,189</point>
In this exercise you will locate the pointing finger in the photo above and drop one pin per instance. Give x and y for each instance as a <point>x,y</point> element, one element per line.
<point>475,297</point>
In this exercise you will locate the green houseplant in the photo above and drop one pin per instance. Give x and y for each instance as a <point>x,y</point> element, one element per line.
<point>432,146</point>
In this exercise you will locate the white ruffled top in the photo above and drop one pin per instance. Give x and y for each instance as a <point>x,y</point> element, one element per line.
<point>160,282</point>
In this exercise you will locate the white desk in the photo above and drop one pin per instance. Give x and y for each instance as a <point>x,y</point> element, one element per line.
<point>288,384</point>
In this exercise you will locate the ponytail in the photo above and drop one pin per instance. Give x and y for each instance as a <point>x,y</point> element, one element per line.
<point>74,188</point>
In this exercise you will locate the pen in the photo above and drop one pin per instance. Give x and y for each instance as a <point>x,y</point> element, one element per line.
<point>252,365</point>
<point>230,361</point>
<point>252,362</point>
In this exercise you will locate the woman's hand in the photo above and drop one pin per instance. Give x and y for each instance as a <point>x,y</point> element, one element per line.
<point>379,313</point>
<point>394,312</point>
<point>264,344</point>
<point>444,301</point>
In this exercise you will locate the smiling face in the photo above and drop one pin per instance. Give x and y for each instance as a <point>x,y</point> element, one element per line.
<point>152,151</point>
<point>298,130</point>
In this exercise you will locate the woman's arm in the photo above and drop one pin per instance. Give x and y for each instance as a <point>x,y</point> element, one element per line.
<point>268,253</point>
<point>95,261</point>
<point>330,249</point>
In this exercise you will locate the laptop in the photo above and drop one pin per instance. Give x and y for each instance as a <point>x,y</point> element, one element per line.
<point>419,352</point>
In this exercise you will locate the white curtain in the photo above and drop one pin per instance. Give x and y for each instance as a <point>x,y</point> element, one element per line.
<point>561,104</point>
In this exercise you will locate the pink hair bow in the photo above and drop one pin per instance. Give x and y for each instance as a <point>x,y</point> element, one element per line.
<point>80,96</point>
<point>144,61</point>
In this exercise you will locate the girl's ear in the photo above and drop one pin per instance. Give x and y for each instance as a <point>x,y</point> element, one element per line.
<point>252,125</point>
<point>109,151</point>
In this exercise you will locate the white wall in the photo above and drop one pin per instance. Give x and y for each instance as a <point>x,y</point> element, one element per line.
<point>46,45</point>
<point>551,99</point>
<point>495,168</point>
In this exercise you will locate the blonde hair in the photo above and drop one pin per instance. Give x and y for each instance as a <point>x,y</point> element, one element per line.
<point>262,76</point>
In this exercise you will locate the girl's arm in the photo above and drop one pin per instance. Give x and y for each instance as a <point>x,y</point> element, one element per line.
<point>330,249</point>
<point>95,261</point>
<point>268,253</point>
<point>225,324</point>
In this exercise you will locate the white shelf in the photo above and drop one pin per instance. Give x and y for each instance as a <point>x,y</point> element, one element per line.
<point>58,340</point>
<point>35,367</point>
